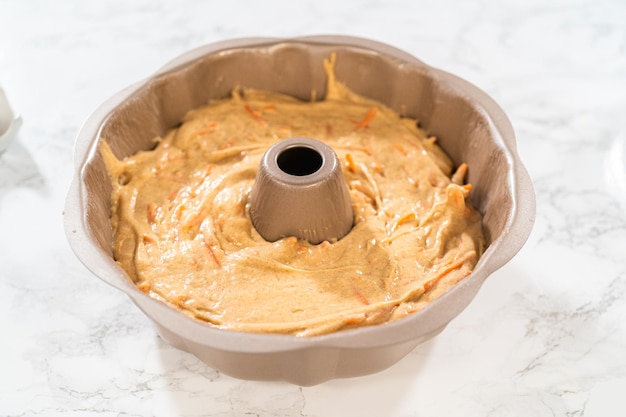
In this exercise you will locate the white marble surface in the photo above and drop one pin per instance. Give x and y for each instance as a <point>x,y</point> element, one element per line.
<point>546,335</point>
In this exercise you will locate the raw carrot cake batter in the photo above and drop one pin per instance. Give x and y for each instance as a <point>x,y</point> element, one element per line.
<point>182,230</point>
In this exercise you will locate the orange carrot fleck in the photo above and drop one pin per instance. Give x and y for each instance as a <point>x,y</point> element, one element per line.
<point>144,286</point>
<point>371,114</point>
<point>350,161</point>
<point>179,211</point>
<point>400,148</point>
<point>255,115</point>
<point>173,195</point>
<point>456,198</point>
<point>406,218</point>
<point>201,132</point>
<point>429,284</point>
<point>194,221</point>
<point>151,215</point>
<point>148,239</point>
<point>207,244</point>
<point>454,265</point>
<point>208,128</point>
<point>361,297</point>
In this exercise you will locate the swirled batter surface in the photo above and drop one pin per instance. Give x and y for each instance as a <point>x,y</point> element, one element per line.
<point>183,233</point>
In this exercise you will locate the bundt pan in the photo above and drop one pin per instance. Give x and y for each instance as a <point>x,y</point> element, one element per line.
<point>470,126</point>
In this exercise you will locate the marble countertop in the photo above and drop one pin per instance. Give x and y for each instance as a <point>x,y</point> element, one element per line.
<point>546,335</point>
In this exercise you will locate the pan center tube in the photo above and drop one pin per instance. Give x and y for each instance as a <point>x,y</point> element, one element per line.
<point>300,191</point>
